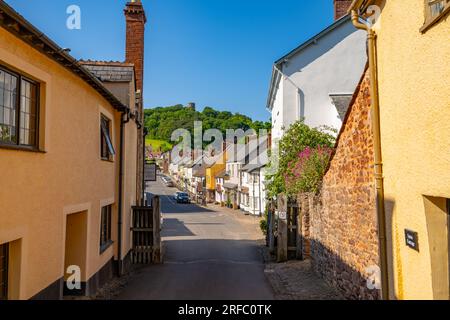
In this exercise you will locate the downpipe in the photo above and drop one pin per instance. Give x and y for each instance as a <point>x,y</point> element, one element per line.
<point>378,160</point>
<point>124,119</point>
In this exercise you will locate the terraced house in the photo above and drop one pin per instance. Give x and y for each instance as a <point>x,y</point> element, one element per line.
<point>69,158</point>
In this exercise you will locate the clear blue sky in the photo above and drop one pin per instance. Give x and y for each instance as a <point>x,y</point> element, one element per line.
<point>216,53</point>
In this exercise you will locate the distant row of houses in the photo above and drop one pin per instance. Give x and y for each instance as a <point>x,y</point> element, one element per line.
<point>225,179</point>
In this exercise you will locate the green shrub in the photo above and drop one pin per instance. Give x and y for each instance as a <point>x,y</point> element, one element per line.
<point>296,140</point>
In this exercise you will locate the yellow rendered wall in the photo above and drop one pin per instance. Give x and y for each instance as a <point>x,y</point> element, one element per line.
<point>39,190</point>
<point>211,175</point>
<point>414,83</point>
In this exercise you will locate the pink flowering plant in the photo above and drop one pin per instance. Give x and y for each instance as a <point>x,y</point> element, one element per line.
<point>304,154</point>
<point>305,173</point>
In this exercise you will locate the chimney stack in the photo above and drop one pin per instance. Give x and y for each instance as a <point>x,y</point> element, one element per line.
<point>340,8</point>
<point>136,19</point>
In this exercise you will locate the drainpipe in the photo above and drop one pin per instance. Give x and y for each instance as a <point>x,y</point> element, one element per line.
<point>123,121</point>
<point>378,165</point>
<point>144,185</point>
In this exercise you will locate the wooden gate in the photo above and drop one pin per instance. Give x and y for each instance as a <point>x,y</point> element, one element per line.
<point>294,240</point>
<point>146,226</point>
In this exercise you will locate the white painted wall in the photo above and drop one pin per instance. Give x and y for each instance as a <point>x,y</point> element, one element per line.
<point>278,113</point>
<point>334,64</point>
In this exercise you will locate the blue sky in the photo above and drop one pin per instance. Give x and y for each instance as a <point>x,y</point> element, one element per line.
<point>216,53</point>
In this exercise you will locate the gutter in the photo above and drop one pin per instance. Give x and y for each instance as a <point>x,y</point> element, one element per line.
<point>378,161</point>
<point>120,200</point>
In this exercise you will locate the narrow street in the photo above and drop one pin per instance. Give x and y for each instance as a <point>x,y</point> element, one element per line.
<point>209,253</point>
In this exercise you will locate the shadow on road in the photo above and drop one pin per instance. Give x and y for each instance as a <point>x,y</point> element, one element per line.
<point>207,269</point>
<point>175,228</point>
<point>169,206</point>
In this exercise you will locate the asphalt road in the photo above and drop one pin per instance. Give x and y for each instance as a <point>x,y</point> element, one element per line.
<point>209,255</point>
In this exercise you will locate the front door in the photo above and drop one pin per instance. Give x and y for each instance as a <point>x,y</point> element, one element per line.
<point>4,255</point>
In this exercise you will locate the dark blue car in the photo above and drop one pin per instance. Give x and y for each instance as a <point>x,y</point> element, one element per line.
<point>183,198</point>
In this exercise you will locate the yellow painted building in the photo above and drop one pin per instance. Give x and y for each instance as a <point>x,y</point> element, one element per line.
<point>211,173</point>
<point>60,159</point>
<point>413,58</point>
<point>212,170</point>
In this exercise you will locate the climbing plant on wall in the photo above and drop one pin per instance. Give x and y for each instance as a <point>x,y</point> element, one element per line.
<point>304,153</point>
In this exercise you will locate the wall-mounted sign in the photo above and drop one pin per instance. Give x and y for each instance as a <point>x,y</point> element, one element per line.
<point>412,239</point>
<point>282,215</point>
<point>150,172</point>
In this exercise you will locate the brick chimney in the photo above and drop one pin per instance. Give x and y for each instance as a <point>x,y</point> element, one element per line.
<point>341,7</point>
<point>136,19</point>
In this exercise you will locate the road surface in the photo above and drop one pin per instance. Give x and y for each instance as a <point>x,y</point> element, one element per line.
<point>209,255</point>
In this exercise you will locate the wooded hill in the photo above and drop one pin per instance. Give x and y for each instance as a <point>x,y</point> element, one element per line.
<point>162,121</point>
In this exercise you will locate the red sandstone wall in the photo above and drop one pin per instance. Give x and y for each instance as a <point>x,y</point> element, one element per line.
<point>343,234</point>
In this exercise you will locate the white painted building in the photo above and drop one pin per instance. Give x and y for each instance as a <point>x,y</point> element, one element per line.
<point>254,197</point>
<point>252,187</point>
<point>315,81</point>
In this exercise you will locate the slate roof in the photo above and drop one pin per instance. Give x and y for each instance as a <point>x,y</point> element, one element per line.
<point>230,185</point>
<point>221,175</point>
<point>255,159</point>
<point>341,102</point>
<point>112,71</point>
<point>252,167</point>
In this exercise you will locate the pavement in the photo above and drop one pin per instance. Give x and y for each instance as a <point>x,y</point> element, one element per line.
<point>295,280</point>
<point>210,253</point>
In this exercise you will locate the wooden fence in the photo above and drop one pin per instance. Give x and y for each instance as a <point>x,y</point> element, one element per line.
<point>146,233</point>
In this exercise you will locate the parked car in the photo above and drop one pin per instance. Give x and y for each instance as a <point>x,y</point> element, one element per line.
<point>175,195</point>
<point>183,197</point>
<point>167,182</point>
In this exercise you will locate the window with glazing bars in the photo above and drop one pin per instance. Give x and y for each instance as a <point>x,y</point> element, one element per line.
<point>4,271</point>
<point>18,110</point>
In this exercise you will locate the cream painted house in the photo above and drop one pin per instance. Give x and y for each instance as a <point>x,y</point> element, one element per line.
<point>412,70</point>
<point>65,139</point>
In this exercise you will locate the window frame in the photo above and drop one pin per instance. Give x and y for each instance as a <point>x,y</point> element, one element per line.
<point>106,234</point>
<point>108,140</point>
<point>4,293</point>
<point>430,21</point>
<point>17,145</point>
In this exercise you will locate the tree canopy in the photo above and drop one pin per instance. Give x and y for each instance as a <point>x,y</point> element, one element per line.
<point>161,122</point>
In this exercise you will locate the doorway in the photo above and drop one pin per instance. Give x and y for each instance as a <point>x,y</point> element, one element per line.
<point>438,228</point>
<point>75,252</point>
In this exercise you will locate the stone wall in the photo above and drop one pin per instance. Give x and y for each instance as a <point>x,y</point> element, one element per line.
<point>343,227</point>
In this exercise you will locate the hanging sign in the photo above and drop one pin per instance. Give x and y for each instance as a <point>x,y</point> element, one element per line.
<point>150,172</point>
